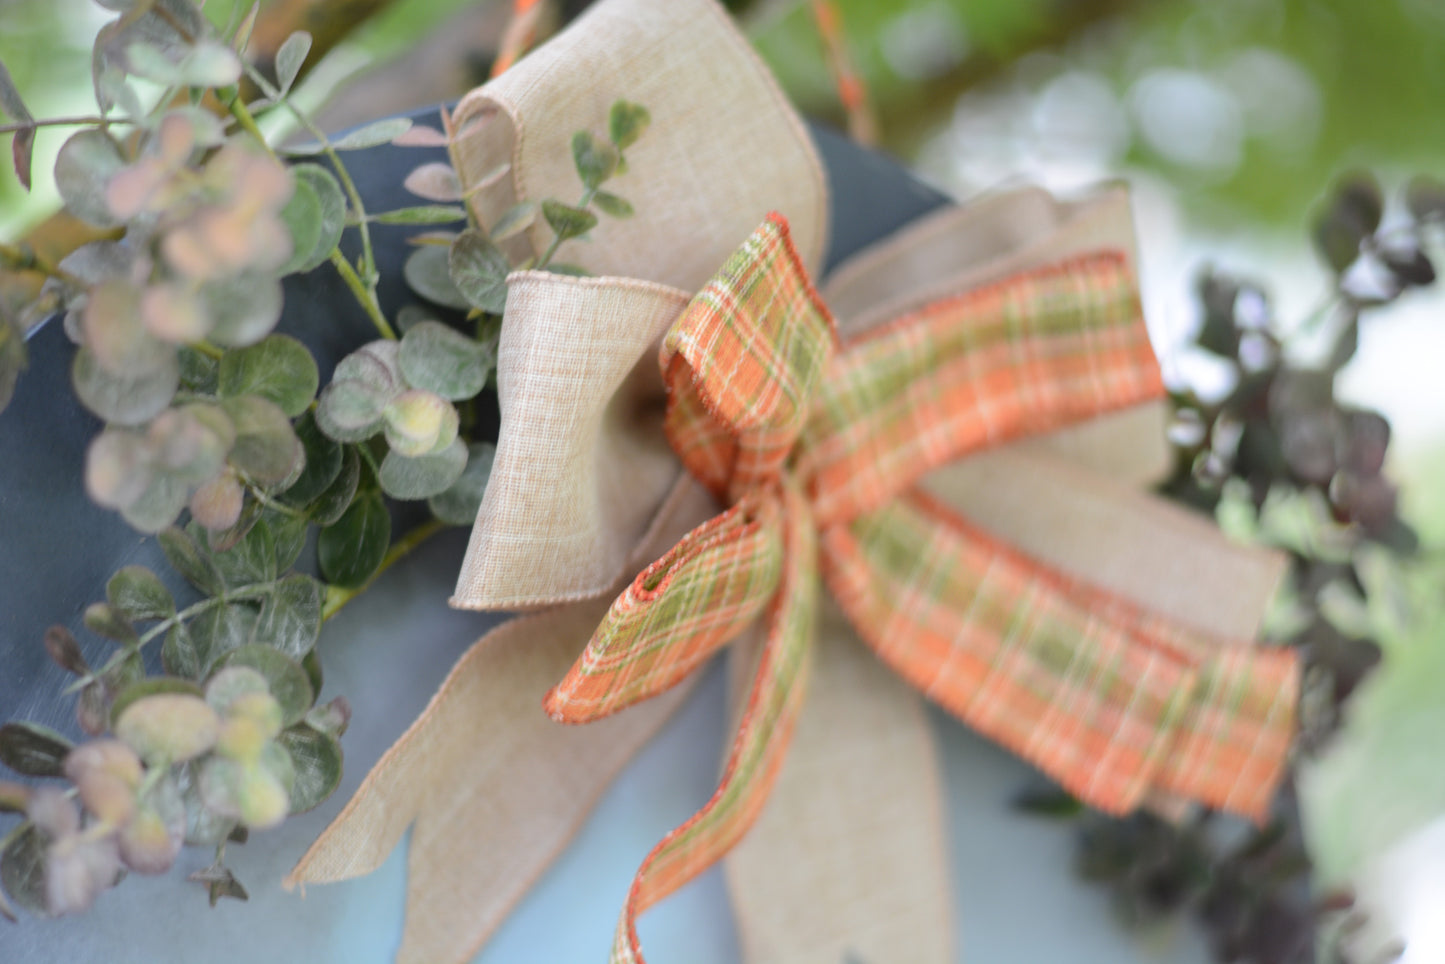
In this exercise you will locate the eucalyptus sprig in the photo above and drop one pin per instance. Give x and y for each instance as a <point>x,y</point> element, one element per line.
<point>221,441</point>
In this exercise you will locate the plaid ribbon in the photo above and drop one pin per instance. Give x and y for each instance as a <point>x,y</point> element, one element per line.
<point>817,448</point>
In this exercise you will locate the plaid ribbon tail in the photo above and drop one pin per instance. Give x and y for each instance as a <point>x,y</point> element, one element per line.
<point>1107,700</point>
<point>760,745</point>
<point>704,593</point>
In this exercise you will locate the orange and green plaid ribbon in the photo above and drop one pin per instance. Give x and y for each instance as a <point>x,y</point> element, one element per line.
<point>817,449</point>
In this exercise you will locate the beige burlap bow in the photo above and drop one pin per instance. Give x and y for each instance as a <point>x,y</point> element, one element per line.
<point>848,855</point>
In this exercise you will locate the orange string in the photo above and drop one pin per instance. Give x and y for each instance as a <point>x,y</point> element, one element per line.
<point>519,34</point>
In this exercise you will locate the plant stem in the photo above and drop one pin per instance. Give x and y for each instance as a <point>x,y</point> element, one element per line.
<point>557,239</point>
<point>337,597</point>
<point>207,349</point>
<point>21,257</point>
<point>61,122</point>
<point>243,116</point>
<point>363,295</point>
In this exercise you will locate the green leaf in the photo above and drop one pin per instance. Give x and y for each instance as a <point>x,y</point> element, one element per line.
<point>459,504</point>
<point>33,750</point>
<point>221,629</point>
<point>158,506</point>
<point>479,270</point>
<point>289,58</point>
<point>123,399</point>
<point>595,161</point>
<point>315,216</point>
<point>288,533</point>
<point>612,205</point>
<point>250,560</point>
<point>206,64</point>
<point>11,102</point>
<point>285,678</point>
<point>350,410</point>
<point>442,360</point>
<point>427,272</point>
<point>106,620</point>
<point>83,168</point>
<point>266,448</point>
<point>426,214</point>
<point>64,650</point>
<point>330,718</point>
<point>22,154</point>
<point>179,654</point>
<point>194,563</point>
<point>351,549</point>
<point>22,870</point>
<point>139,594</point>
<point>332,503</point>
<point>278,368</point>
<point>425,476</point>
<point>24,144</point>
<point>199,372</point>
<point>567,221</point>
<point>311,663</point>
<point>223,539</point>
<point>323,463</point>
<point>626,122</point>
<point>317,760</point>
<point>290,620</point>
<point>372,135</point>
<point>573,270</point>
<point>150,686</point>
<point>243,310</point>
<point>168,727</point>
<point>517,219</point>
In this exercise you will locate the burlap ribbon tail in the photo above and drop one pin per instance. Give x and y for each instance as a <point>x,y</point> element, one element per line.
<point>958,457</point>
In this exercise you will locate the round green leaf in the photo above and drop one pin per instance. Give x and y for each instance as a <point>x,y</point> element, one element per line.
<point>517,219</point>
<point>611,204</point>
<point>109,621</point>
<point>317,760</point>
<point>123,399</point>
<point>250,559</point>
<point>352,548</point>
<point>188,558</point>
<point>22,870</point>
<point>243,310</point>
<point>84,166</point>
<point>139,594</point>
<point>219,630</point>
<point>290,618</point>
<point>566,220</point>
<point>442,360</point>
<point>458,505</point>
<point>158,506</point>
<point>479,270</point>
<point>423,477</point>
<point>170,726</point>
<point>323,463</point>
<point>278,368</point>
<point>266,448</point>
<point>595,161</point>
<point>350,411</point>
<point>626,122</point>
<point>427,272</point>
<point>315,216</point>
<point>435,181</point>
<point>285,679</point>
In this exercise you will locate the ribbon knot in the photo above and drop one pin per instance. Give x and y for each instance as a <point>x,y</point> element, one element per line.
<point>817,449</point>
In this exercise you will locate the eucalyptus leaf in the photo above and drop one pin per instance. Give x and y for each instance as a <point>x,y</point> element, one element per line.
<point>86,163</point>
<point>350,410</point>
<point>11,103</point>
<point>318,183</point>
<point>317,760</point>
<point>332,503</point>
<point>479,270</point>
<point>123,399</point>
<point>517,219</point>
<point>288,533</point>
<point>425,476</point>
<point>266,448</point>
<point>278,368</point>
<point>290,620</point>
<point>435,181</point>
<point>351,549</point>
<point>311,663</point>
<point>243,310</point>
<point>22,870</point>
<point>250,560</point>
<point>323,463</point>
<point>188,558</point>
<point>158,506</point>
<point>139,594</point>
<point>289,58</point>
<point>626,122</point>
<point>199,372</point>
<point>150,686</point>
<point>285,679</point>
<point>372,135</point>
<point>33,750</point>
<point>568,221</point>
<point>179,654</point>
<point>427,272</point>
<point>594,160</point>
<point>302,219</point>
<point>571,270</point>
<point>22,154</point>
<point>612,205</point>
<point>109,621</point>
<point>224,539</point>
<point>427,214</point>
<point>221,629</point>
<point>64,650</point>
<point>458,505</point>
<point>442,360</point>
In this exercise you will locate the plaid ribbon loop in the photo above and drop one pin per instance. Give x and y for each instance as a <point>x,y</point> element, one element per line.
<point>818,447</point>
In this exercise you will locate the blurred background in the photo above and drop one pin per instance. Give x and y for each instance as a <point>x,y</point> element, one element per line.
<point>1231,119</point>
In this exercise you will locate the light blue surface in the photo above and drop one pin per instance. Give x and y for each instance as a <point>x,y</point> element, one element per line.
<point>1016,900</point>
